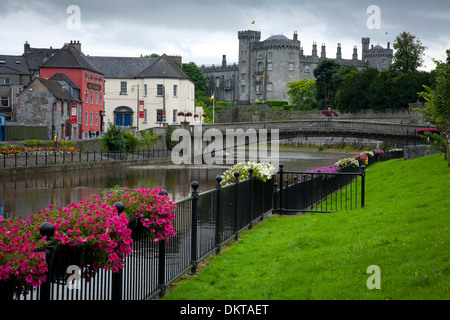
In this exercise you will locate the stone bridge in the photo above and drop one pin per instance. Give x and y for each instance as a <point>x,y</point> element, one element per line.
<point>400,134</point>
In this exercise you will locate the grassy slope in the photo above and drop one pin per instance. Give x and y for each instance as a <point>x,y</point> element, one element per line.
<point>404,230</point>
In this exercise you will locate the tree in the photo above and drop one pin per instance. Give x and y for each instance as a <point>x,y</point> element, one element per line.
<point>113,139</point>
<point>302,94</point>
<point>329,75</point>
<point>409,53</point>
<point>353,94</point>
<point>437,100</point>
<point>196,75</point>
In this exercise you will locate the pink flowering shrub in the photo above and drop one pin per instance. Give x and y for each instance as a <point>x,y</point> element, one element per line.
<point>93,227</point>
<point>155,211</point>
<point>21,262</point>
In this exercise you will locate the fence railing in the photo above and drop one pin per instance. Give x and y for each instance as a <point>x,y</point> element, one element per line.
<point>44,158</point>
<point>204,223</point>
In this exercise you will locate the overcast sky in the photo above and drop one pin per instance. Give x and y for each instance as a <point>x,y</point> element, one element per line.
<point>202,31</point>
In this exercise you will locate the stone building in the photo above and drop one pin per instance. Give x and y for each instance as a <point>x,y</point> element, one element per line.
<point>266,67</point>
<point>51,103</point>
<point>14,75</point>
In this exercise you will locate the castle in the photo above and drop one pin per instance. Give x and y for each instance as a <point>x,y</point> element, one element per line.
<point>265,67</point>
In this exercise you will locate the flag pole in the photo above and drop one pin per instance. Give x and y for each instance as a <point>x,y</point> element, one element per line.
<point>213,107</point>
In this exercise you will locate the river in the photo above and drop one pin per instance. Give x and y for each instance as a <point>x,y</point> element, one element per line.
<point>24,195</point>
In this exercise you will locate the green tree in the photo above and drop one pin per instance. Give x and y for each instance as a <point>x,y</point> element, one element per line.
<point>437,100</point>
<point>409,53</point>
<point>329,75</point>
<point>302,94</point>
<point>353,93</point>
<point>113,139</point>
<point>196,75</point>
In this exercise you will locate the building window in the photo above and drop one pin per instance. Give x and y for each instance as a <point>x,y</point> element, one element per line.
<point>100,79</point>
<point>123,87</point>
<point>96,118</point>
<point>91,119</point>
<point>92,97</point>
<point>269,67</point>
<point>96,78</point>
<point>101,99</point>
<point>291,55</point>
<point>159,115</point>
<point>269,87</point>
<point>159,90</point>
<point>269,55</point>
<point>86,76</point>
<point>217,82</point>
<point>4,101</point>
<point>86,95</point>
<point>175,114</point>
<point>145,115</point>
<point>175,90</point>
<point>243,76</point>
<point>86,118</point>
<point>258,87</point>
<point>260,67</point>
<point>92,78</point>
<point>291,67</point>
<point>5,81</point>
<point>96,97</point>
<point>145,90</point>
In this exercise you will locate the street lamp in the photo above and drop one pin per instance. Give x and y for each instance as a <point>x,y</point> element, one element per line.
<point>137,107</point>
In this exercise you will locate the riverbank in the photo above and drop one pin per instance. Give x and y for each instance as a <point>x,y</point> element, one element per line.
<point>403,231</point>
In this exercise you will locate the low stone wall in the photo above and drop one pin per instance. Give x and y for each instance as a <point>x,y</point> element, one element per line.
<point>417,151</point>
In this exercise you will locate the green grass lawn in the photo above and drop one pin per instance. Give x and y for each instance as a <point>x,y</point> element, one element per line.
<point>403,229</point>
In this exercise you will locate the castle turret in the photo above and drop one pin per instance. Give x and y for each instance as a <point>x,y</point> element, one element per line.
<point>365,48</point>
<point>246,39</point>
<point>338,52</point>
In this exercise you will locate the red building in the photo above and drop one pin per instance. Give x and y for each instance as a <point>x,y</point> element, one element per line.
<point>70,61</point>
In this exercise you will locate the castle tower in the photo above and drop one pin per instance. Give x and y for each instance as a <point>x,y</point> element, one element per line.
<point>246,39</point>
<point>365,48</point>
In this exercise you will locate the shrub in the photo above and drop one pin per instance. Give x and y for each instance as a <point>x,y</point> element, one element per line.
<point>261,171</point>
<point>131,142</point>
<point>33,143</point>
<point>113,139</point>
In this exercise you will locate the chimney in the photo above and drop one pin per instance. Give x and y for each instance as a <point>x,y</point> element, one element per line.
<point>177,60</point>
<point>388,45</point>
<point>224,61</point>
<point>323,54</point>
<point>314,50</point>
<point>295,35</point>
<point>26,47</point>
<point>76,45</point>
<point>339,52</point>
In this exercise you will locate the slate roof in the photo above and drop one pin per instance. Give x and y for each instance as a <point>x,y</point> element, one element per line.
<point>121,67</point>
<point>70,57</point>
<point>13,65</point>
<point>277,37</point>
<point>38,56</point>
<point>164,67</point>
<point>63,77</point>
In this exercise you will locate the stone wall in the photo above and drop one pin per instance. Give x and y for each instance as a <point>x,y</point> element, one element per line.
<point>417,151</point>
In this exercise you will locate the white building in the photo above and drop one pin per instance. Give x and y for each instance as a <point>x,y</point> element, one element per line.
<point>143,93</point>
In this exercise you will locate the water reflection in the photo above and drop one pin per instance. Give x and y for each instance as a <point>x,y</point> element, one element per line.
<point>24,195</point>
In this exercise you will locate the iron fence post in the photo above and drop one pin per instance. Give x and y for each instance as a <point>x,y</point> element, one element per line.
<point>47,229</point>
<point>275,208</point>
<point>250,175</point>
<point>363,184</point>
<point>236,205</point>
<point>281,186</point>
<point>194,186</point>
<point>218,214</point>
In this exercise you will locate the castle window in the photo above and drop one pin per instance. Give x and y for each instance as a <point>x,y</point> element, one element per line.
<point>258,87</point>
<point>269,87</point>
<point>269,67</point>
<point>269,55</point>
<point>291,67</point>
<point>291,55</point>
<point>260,67</point>
<point>217,82</point>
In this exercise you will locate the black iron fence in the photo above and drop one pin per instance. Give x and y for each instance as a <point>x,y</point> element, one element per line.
<point>44,158</point>
<point>204,223</point>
